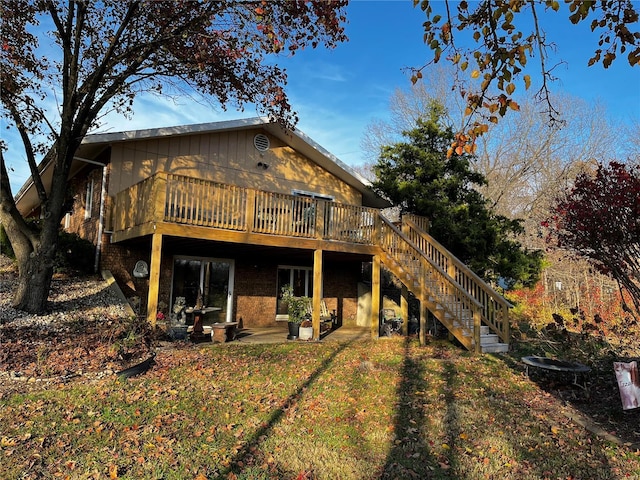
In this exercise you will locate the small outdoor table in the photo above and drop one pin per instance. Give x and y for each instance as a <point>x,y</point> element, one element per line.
<point>197,316</point>
<point>555,365</point>
<point>223,331</point>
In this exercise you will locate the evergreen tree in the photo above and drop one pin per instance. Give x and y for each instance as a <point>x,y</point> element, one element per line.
<point>421,177</point>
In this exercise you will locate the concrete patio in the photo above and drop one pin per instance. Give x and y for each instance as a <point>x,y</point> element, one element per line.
<point>279,335</point>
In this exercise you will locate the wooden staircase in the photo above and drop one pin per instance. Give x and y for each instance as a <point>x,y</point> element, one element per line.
<point>475,314</point>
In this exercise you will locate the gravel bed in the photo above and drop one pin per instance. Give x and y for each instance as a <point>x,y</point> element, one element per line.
<point>69,298</point>
<point>85,333</point>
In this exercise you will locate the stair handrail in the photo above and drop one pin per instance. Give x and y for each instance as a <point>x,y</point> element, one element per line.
<point>466,300</point>
<point>500,327</point>
<point>439,269</point>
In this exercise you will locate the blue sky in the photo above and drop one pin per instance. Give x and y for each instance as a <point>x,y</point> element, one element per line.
<point>337,93</point>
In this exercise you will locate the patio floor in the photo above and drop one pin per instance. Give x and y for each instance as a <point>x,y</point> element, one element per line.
<point>279,335</point>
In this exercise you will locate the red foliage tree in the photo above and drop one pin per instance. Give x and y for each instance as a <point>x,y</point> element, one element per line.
<point>600,219</point>
<point>92,57</point>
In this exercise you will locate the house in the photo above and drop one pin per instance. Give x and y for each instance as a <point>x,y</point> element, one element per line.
<point>225,214</point>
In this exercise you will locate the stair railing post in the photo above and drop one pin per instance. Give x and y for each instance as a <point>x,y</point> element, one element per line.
<point>506,328</point>
<point>507,334</point>
<point>477,322</point>
<point>423,305</point>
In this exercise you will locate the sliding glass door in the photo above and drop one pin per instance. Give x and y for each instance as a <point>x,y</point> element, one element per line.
<point>205,283</point>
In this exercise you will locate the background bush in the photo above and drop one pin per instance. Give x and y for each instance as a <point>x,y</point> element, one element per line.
<point>74,253</point>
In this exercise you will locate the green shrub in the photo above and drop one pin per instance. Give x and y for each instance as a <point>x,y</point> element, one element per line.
<point>5,245</point>
<point>74,253</point>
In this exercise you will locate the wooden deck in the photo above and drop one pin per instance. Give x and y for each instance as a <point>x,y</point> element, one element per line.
<point>168,204</point>
<point>195,208</point>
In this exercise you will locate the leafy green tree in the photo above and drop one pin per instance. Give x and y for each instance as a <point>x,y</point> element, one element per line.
<point>92,57</point>
<point>420,177</point>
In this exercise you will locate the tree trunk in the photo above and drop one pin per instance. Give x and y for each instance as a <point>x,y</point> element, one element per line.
<point>35,253</point>
<point>34,282</point>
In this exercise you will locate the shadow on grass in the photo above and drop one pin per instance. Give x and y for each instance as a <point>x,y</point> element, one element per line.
<point>265,430</point>
<point>411,455</point>
<point>522,428</point>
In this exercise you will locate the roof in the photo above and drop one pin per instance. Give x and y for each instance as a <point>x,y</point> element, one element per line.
<point>93,144</point>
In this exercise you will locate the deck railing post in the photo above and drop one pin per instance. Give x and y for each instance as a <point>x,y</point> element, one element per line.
<point>377,230</point>
<point>321,210</point>
<point>159,196</point>
<point>251,209</point>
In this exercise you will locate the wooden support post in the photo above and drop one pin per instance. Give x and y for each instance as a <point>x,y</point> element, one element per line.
<point>154,278</point>
<point>424,314</point>
<point>404,309</point>
<point>375,297</point>
<point>317,292</point>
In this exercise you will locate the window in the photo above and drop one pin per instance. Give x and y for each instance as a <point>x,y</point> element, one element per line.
<point>300,278</point>
<point>319,196</point>
<point>88,201</point>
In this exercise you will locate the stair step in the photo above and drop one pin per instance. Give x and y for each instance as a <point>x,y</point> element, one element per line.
<point>495,348</point>
<point>489,339</point>
<point>453,309</point>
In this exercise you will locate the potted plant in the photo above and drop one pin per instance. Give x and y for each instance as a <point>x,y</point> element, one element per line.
<point>297,308</point>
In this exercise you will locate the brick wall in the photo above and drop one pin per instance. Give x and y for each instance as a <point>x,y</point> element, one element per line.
<point>84,217</point>
<point>255,285</point>
<point>341,289</point>
<point>255,293</point>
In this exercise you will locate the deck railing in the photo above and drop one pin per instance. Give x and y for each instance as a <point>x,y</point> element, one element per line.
<point>192,201</point>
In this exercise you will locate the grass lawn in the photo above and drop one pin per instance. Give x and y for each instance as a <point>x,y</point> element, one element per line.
<point>365,410</point>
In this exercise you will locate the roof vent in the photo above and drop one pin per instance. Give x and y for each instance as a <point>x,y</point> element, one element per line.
<point>261,142</point>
